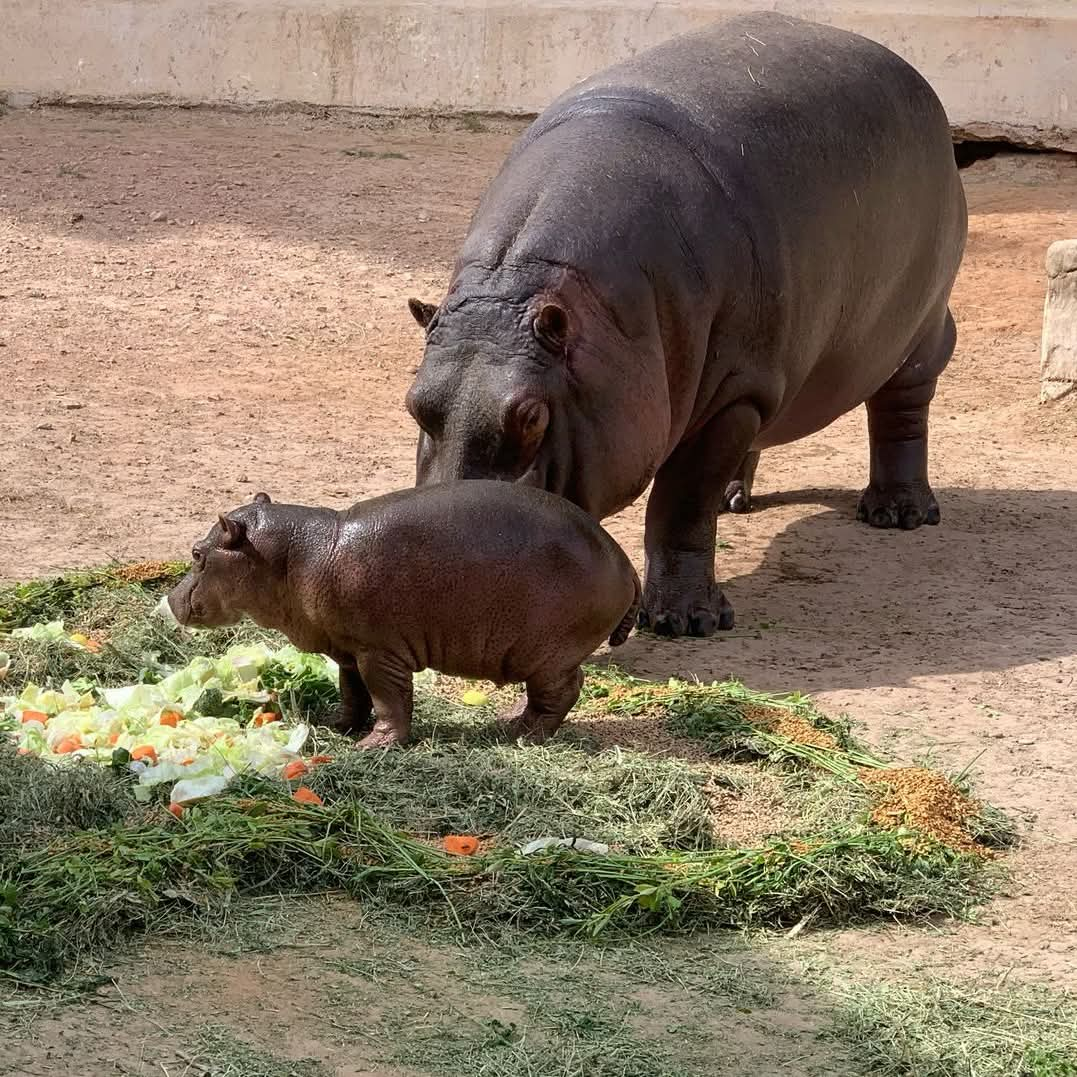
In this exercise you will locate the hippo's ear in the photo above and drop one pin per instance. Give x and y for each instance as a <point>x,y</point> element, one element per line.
<point>233,532</point>
<point>551,326</point>
<point>422,312</point>
<point>262,499</point>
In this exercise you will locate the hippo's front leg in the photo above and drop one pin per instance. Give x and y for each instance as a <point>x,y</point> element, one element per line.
<point>680,595</point>
<point>355,711</point>
<point>389,682</point>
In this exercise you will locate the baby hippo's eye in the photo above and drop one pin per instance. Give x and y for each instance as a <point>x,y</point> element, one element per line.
<point>197,556</point>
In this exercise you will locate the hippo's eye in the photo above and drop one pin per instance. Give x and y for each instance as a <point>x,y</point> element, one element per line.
<point>197,556</point>
<point>422,412</point>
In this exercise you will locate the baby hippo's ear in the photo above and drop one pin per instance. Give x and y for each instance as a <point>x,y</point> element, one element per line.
<point>233,532</point>
<point>262,499</point>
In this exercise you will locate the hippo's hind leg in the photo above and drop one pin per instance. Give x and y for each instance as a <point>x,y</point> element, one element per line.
<point>680,595</point>
<point>898,493</point>
<point>550,696</point>
<point>738,494</point>
<point>356,710</point>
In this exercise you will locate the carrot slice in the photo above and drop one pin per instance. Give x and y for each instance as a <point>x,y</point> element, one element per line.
<point>69,745</point>
<point>35,716</point>
<point>303,795</point>
<point>295,769</point>
<point>171,718</point>
<point>145,751</point>
<point>176,809</point>
<point>461,844</point>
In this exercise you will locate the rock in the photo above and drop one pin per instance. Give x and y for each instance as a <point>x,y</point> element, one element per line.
<point>1058,355</point>
<point>76,217</point>
<point>159,217</point>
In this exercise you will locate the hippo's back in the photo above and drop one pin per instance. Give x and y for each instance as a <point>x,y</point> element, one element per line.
<point>805,171</point>
<point>481,578</point>
<point>748,82</point>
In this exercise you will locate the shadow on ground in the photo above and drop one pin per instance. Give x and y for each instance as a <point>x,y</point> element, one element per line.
<point>990,589</point>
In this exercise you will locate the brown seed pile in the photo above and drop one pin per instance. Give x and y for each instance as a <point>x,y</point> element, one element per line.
<point>926,802</point>
<point>784,723</point>
<point>145,572</point>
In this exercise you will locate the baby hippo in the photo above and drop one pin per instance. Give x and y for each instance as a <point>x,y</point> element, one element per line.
<point>481,579</point>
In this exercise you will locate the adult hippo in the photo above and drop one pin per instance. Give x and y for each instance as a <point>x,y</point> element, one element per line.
<point>719,246</point>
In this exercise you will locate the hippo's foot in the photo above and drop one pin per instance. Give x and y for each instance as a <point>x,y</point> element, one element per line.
<point>523,722</point>
<point>383,737</point>
<point>347,721</point>
<point>738,493</point>
<point>538,715</point>
<point>682,608</point>
<point>737,498</point>
<point>904,505</point>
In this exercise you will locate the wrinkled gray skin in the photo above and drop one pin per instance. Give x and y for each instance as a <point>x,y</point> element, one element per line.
<point>719,246</point>
<point>484,580</point>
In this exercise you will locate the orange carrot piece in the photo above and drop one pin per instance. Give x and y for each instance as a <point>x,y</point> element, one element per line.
<point>295,769</point>
<point>145,751</point>
<point>176,809</point>
<point>171,718</point>
<point>35,716</point>
<point>461,844</point>
<point>69,745</point>
<point>303,795</point>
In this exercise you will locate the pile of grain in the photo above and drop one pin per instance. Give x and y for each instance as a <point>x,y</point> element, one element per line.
<point>925,801</point>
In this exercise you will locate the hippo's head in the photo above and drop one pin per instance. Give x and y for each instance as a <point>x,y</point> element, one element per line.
<point>484,410</point>
<point>525,391</point>
<point>231,576</point>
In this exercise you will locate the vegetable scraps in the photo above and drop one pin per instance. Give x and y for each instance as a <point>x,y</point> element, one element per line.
<point>161,732</point>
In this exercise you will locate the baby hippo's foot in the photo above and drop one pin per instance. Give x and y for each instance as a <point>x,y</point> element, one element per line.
<point>349,721</point>
<point>550,696</point>
<point>904,505</point>
<point>384,736</point>
<point>522,722</point>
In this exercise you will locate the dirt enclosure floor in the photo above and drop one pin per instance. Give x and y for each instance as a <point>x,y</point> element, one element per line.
<point>194,307</point>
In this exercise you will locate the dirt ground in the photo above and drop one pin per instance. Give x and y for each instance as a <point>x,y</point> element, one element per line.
<point>197,306</point>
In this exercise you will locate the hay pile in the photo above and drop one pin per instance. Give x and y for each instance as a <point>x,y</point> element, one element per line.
<point>104,866</point>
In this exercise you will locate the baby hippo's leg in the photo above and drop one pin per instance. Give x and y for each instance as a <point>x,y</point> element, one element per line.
<point>550,696</point>
<point>355,711</point>
<point>390,685</point>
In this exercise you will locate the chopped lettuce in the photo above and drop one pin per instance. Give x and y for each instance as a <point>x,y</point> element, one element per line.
<point>197,753</point>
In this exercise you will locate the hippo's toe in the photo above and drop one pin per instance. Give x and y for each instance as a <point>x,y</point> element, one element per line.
<point>692,618</point>
<point>906,506</point>
<point>737,498</point>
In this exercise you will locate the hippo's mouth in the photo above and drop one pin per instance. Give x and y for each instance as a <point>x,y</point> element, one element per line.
<point>164,610</point>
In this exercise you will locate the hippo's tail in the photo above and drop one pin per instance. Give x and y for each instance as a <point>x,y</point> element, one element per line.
<point>628,621</point>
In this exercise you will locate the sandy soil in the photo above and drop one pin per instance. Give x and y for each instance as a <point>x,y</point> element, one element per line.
<point>196,306</point>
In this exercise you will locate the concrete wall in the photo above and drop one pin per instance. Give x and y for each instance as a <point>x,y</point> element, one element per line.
<point>1005,68</point>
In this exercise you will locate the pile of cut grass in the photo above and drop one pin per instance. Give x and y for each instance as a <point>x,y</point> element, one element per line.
<point>82,865</point>
<point>58,596</point>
